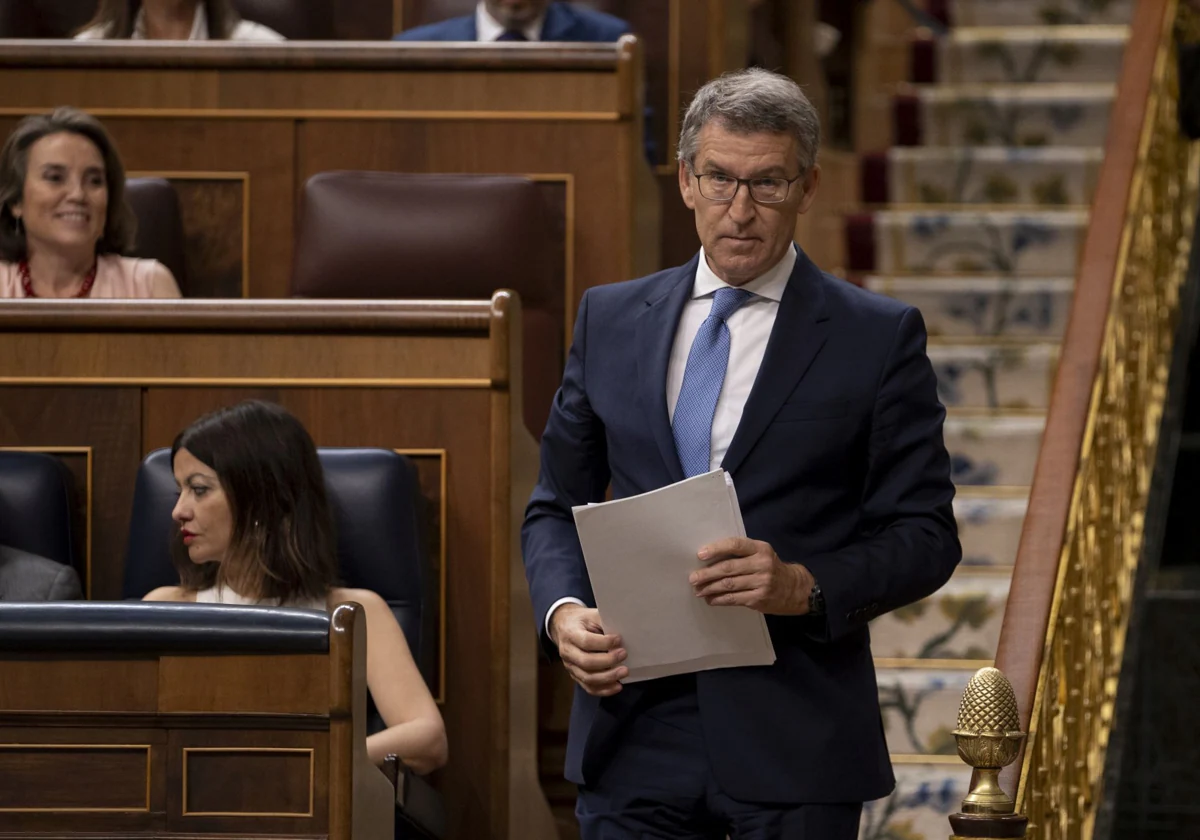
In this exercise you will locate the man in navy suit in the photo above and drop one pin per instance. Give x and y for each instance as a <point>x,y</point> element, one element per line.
<point>819,399</point>
<point>523,20</point>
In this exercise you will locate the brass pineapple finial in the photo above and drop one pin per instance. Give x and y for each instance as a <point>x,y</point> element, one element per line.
<point>989,737</point>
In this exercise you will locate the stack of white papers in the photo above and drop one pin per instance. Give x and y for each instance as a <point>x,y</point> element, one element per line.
<point>639,552</point>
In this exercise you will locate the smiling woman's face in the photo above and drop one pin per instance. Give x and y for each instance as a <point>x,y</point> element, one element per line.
<point>64,203</point>
<point>202,512</point>
<point>743,239</point>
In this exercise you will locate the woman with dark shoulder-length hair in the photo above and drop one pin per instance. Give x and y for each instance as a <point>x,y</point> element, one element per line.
<point>64,223</point>
<point>255,527</point>
<point>173,20</point>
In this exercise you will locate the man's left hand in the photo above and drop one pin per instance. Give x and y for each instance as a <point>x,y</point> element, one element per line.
<point>748,573</point>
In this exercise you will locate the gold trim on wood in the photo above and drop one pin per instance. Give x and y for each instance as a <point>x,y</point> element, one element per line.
<point>87,505</point>
<point>905,663</point>
<point>311,781</point>
<point>443,456</point>
<point>244,177</point>
<point>126,747</point>
<point>246,382</point>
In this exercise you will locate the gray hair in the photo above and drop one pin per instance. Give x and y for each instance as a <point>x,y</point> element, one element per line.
<point>752,101</point>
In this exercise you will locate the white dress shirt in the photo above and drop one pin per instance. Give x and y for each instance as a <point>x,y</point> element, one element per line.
<point>246,30</point>
<point>749,330</point>
<point>487,28</point>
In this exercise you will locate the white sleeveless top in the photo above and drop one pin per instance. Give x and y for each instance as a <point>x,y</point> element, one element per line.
<point>221,595</point>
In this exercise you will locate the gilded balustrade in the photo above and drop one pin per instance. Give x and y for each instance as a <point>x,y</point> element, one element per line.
<point>1073,707</point>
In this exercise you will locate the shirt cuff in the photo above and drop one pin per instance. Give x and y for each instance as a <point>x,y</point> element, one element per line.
<point>556,605</point>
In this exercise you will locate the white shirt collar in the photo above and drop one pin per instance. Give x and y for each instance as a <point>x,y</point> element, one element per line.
<point>487,28</point>
<point>199,25</point>
<point>769,285</point>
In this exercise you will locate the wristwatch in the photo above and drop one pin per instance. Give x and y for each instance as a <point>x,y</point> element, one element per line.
<point>816,600</point>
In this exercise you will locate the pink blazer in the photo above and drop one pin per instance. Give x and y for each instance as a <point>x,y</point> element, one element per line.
<point>116,277</point>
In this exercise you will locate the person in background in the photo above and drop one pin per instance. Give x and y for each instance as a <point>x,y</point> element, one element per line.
<point>523,20</point>
<point>173,20</point>
<point>255,527</point>
<point>28,577</point>
<point>64,223</point>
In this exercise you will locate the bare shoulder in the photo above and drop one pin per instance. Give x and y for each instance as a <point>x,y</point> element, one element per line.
<point>369,600</point>
<point>170,593</point>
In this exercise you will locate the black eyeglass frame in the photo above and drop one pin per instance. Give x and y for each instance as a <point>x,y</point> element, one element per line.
<point>749,182</point>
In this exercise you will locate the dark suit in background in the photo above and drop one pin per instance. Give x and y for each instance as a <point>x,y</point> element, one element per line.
<point>563,22</point>
<point>839,464</point>
<point>28,577</point>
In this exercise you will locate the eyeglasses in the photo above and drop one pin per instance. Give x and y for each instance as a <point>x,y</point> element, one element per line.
<point>723,188</point>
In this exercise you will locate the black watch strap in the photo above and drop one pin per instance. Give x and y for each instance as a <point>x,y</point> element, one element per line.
<point>816,600</point>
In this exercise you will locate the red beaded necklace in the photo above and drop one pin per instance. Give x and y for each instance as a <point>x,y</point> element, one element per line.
<point>89,280</point>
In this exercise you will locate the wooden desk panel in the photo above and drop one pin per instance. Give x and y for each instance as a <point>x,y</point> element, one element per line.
<point>125,377</point>
<point>264,118</point>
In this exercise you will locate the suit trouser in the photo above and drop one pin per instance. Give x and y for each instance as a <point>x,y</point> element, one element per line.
<point>658,783</point>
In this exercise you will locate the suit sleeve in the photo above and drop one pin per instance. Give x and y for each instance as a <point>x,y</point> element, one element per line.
<point>574,471</point>
<point>909,546</point>
<point>65,586</point>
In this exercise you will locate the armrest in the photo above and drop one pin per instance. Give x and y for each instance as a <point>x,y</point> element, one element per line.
<point>420,812</point>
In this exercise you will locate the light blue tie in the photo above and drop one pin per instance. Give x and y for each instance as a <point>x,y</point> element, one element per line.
<point>702,381</point>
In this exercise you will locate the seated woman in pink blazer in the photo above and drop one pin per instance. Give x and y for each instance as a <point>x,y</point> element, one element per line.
<point>64,223</point>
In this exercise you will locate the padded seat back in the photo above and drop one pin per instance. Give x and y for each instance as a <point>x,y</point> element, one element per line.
<point>377,508</point>
<point>392,235</point>
<point>296,20</point>
<point>160,233</point>
<point>36,500</point>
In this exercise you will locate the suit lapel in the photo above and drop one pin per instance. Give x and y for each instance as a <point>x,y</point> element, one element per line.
<point>656,325</point>
<point>470,30</point>
<point>558,23</point>
<point>801,327</point>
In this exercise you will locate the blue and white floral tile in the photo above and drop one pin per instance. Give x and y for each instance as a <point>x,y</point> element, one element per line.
<point>1046,177</point>
<point>1039,243</point>
<point>1024,56</point>
<point>1016,115</point>
<point>984,307</point>
<point>1039,12</point>
<point>993,451</point>
<point>920,808</point>
<point>920,707</point>
<point>999,376</point>
<point>960,621</point>
<point>989,528</point>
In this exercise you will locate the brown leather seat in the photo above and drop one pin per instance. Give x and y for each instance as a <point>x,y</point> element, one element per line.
<point>391,235</point>
<point>296,20</point>
<point>160,225</point>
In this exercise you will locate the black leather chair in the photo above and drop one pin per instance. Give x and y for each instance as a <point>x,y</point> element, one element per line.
<point>36,500</point>
<point>296,20</point>
<point>377,507</point>
<point>160,233</point>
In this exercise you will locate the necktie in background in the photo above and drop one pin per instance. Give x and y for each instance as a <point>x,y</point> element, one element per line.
<point>702,381</point>
<point>512,35</point>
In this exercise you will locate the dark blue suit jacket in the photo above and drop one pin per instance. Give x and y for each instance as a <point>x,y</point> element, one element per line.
<point>839,464</point>
<point>564,22</point>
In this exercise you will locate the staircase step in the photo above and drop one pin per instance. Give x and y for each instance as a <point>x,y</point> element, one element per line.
<point>994,376</point>
<point>920,707</point>
<point>1044,243</point>
<point>1039,12</point>
<point>960,621</point>
<point>978,307</point>
<point>1049,177</point>
<point>1004,115</point>
<point>1026,55</point>
<point>989,527</point>
<point>925,796</point>
<point>996,451</point>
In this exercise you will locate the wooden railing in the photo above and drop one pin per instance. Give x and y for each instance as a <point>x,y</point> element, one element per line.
<point>1068,609</point>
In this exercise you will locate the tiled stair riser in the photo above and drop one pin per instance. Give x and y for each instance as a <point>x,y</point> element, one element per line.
<point>993,451</point>
<point>1020,115</point>
<point>960,621</point>
<point>1049,177</point>
<point>1024,56</point>
<point>989,528</point>
<point>1038,243</point>
<point>920,808</point>
<point>994,376</point>
<point>984,307</point>
<point>919,709</point>
<point>1040,12</point>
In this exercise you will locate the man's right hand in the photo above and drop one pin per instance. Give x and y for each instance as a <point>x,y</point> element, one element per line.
<point>592,658</point>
